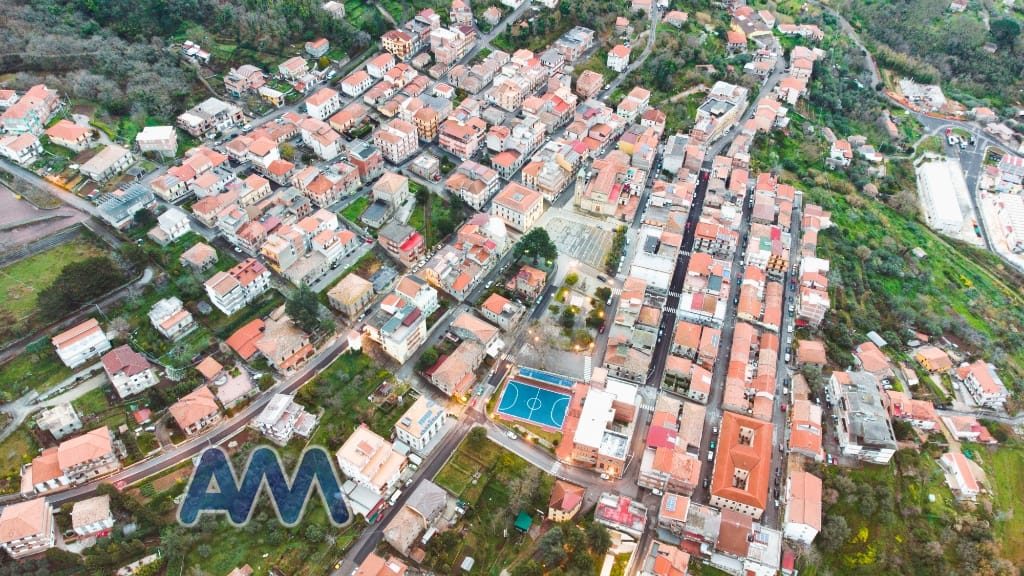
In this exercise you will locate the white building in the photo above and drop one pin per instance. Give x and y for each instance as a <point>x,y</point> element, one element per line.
<point>230,291</point>
<point>420,423</point>
<point>941,185</point>
<point>171,225</point>
<point>171,319</point>
<point>959,475</point>
<point>80,343</point>
<point>160,139</point>
<point>283,418</point>
<point>984,384</point>
<point>803,507</point>
<point>92,516</point>
<point>60,420</point>
<point>129,371</point>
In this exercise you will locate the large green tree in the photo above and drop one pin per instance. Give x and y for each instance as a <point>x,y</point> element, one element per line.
<point>536,244</point>
<point>304,309</point>
<point>78,284</point>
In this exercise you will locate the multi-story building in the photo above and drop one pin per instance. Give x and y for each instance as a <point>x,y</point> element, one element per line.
<point>77,344</point>
<point>984,384</point>
<point>370,461</point>
<point>323,103</point>
<point>398,42</point>
<point>421,423</point>
<point>462,136</point>
<point>451,44</point>
<point>27,528</point>
<point>60,421</point>
<point>356,83</point>
<point>283,418</point>
<point>211,115</point>
<point>366,158</point>
<point>598,435</point>
<point>230,291</point>
<point>351,295</point>
<point>22,149</point>
<point>501,311</point>
<point>398,326</point>
<point>403,242</point>
<point>321,138</point>
<point>618,58</point>
<point>474,183</point>
<point>802,520</point>
<point>196,411</point>
<point>863,429</point>
<point>73,462</point>
<point>397,140</point>
<point>743,463</point>
<point>30,113</point>
<point>293,68</point>
<point>129,371</point>
<point>518,206</point>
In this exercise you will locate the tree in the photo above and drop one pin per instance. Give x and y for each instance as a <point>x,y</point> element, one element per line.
<point>144,219</point>
<point>568,318</point>
<point>427,359</point>
<point>572,279</point>
<point>551,548</point>
<point>304,309</point>
<point>288,151</point>
<point>598,538</point>
<point>603,293</point>
<point>834,533</point>
<point>536,244</point>
<point>77,284</point>
<point>1005,31</point>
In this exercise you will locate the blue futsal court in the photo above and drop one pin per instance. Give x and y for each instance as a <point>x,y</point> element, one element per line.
<point>533,404</point>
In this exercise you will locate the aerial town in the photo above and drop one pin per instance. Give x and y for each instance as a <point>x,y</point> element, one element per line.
<point>617,287</point>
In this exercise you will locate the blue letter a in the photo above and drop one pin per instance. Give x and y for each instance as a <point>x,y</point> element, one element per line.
<point>289,498</point>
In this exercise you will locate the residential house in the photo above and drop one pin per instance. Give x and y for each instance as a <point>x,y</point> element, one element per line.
<point>474,183</point>
<point>30,113</point>
<point>933,359</point>
<point>462,136</point>
<point>398,326</point>
<point>75,461</point>
<point>351,295</point>
<point>244,80</point>
<point>108,163</point>
<point>396,140</point>
<point>421,423</point>
<point>283,418</point>
<point>323,103</point>
<point>530,282</point>
<point>421,511</point>
<point>293,68</point>
<point>60,420</point>
<point>283,343</point>
<point>211,115</point>
<point>960,475</point>
<point>454,374</point>
<point>92,516</point>
<point>27,528</point>
<point>22,149</point>
<point>370,460</point>
<point>128,371</point>
<point>356,83</point>
<point>802,520</point>
<point>199,258</point>
<point>317,48</point>
<point>171,319</point>
<point>398,42</point>
<point>230,291</point>
<point>375,565</point>
<point>618,58</point>
<point>70,135</point>
<point>565,501</point>
<point>196,411</point>
<point>621,513</point>
<point>501,311</point>
<point>171,225</point>
<point>403,242</point>
<point>77,344</point>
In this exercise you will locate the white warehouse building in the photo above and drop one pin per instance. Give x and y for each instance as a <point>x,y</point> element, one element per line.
<point>941,185</point>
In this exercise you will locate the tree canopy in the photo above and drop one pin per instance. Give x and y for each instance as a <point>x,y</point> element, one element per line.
<point>78,284</point>
<point>536,244</point>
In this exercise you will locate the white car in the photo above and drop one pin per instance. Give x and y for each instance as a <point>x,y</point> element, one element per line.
<point>605,477</point>
<point>512,435</point>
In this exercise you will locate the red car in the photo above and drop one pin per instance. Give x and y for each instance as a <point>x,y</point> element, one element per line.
<point>601,329</point>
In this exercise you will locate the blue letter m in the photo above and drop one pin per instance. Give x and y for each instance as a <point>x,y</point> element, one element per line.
<point>264,467</point>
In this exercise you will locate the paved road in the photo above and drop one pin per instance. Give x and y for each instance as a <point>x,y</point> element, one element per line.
<point>213,437</point>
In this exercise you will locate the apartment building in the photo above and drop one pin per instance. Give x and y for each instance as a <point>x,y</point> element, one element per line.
<point>92,516</point>
<point>72,462</point>
<point>283,418</point>
<point>863,429</point>
<point>70,135</point>
<point>108,163</point>
<point>421,423</point>
<point>230,291</point>
<point>462,136</point>
<point>984,384</point>
<point>396,140</point>
<point>27,528</point>
<point>474,183</point>
<point>243,80</point>
<point>802,520</point>
<point>30,113</point>
<point>323,103</point>
<point>211,115</point>
<point>351,295</point>
<point>77,344</point>
<point>403,242</point>
<point>398,326</point>
<point>60,420</point>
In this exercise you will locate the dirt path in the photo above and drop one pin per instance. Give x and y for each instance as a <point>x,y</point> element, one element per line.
<point>687,92</point>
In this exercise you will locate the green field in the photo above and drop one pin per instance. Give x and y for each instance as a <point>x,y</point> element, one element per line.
<point>353,211</point>
<point>21,281</point>
<point>17,449</point>
<point>1003,467</point>
<point>92,402</point>
<point>31,371</point>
